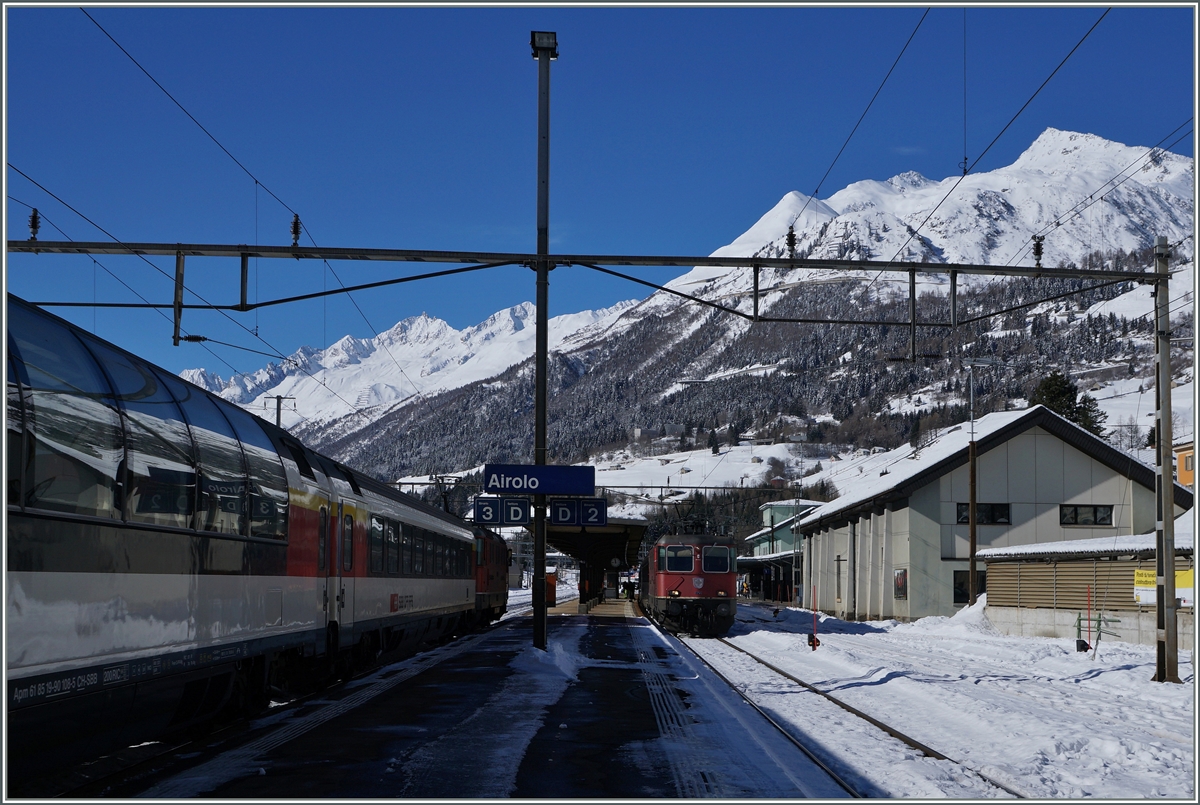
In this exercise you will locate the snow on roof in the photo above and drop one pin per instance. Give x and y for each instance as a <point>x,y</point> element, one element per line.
<point>889,473</point>
<point>788,554</point>
<point>891,469</point>
<point>1119,545</point>
<point>795,503</point>
<point>762,532</point>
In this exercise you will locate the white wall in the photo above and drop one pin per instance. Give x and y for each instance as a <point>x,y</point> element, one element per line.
<point>1034,472</point>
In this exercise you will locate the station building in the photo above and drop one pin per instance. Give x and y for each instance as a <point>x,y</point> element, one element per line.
<point>774,550</point>
<point>895,543</point>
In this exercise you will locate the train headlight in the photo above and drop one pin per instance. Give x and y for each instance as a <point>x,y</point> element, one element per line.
<point>674,593</point>
<point>721,593</point>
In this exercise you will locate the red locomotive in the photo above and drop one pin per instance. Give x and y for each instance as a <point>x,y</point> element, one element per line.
<point>688,583</point>
<point>492,558</point>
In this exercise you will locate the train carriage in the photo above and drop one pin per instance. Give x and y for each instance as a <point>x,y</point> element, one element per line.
<point>688,583</point>
<point>168,552</point>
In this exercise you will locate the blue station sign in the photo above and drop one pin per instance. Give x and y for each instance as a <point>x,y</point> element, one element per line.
<point>538,479</point>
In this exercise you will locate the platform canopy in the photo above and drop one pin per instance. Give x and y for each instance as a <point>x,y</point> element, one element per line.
<point>614,546</point>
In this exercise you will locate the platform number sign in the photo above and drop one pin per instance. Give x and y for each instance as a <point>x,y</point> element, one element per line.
<point>487,511</point>
<point>578,511</point>
<point>502,511</point>
<point>593,511</point>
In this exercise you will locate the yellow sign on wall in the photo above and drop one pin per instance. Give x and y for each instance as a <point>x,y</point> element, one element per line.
<point>1145,587</point>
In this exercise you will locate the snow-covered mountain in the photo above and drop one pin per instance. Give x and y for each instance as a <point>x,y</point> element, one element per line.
<point>1082,192</point>
<point>421,355</point>
<point>1087,195</point>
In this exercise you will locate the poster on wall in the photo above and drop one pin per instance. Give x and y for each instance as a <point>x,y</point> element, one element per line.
<point>900,588</point>
<point>1145,587</point>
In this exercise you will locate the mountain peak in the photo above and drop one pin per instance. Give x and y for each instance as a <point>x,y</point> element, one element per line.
<point>794,209</point>
<point>909,179</point>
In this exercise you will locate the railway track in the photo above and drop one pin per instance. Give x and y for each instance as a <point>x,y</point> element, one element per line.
<point>698,648</point>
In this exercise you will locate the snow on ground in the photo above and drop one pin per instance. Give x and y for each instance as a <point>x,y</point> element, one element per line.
<point>1029,712</point>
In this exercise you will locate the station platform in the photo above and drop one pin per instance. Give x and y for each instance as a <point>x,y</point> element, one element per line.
<point>610,710</point>
<point>482,717</point>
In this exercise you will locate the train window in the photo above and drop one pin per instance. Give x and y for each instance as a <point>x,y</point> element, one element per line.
<point>322,538</point>
<point>419,552</point>
<point>70,417</point>
<point>391,538</point>
<point>222,467</point>
<point>480,547</point>
<point>406,545</point>
<point>348,542</point>
<point>160,464</point>
<point>16,436</point>
<point>268,489</point>
<point>715,559</point>
<point>376,544</point>
<point>439,561</point>
<point>679,559</point>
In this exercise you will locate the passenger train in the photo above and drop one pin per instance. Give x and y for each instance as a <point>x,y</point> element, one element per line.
<point>688,584</point>
<point>171,555</point>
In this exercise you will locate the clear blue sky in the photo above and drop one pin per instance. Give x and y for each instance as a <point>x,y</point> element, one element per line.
<point>673,130</point>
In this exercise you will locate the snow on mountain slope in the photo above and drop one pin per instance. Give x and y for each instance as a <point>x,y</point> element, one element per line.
<point>419,355</point>
<point>1083,192</point>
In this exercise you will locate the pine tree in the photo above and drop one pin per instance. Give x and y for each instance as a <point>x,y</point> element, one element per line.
<point>1089,416</point>
<point>1057,393</point>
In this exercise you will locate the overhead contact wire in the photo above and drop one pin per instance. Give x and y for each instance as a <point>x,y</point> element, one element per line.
<point>995,139</point>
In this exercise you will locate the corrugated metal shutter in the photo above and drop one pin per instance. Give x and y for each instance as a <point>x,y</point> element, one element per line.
<point>1036,586</point>
<point>1002,584</point>
<point>1065,585</point>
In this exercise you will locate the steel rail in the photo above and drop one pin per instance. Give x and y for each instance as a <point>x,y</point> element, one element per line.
<point>892,731</point>
<point>845,786</point>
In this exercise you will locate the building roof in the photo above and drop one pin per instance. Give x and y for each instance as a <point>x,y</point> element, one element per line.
<point>763,532</point>
<point>905,470</point>
<point>1142,545</point>
<point>794,503</point>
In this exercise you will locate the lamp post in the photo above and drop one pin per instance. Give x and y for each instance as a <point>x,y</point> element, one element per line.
<point>545,49</point>
<point>972,522</point>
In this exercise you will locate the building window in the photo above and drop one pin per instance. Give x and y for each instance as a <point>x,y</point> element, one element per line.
<point>985,514</point>
<point>1085,515</point>
<point>962,595</point>
<point>1189,462</point>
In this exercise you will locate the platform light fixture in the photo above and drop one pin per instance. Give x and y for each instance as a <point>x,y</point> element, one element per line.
<point>544,40</point>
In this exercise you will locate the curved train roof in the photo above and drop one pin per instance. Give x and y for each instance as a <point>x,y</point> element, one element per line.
<point>278,435</point>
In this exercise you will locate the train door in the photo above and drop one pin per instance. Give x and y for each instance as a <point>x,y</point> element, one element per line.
<point>328,563</point>
<point>345,572</point>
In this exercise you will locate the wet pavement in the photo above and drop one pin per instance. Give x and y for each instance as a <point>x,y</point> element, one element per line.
<point>601,714</point>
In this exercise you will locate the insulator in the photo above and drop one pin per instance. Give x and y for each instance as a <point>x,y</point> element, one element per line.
<point>195,339</point>
<point>1037,249</point>
<point>791,242</point>
<point>35,223</point>
<point>296,229</point>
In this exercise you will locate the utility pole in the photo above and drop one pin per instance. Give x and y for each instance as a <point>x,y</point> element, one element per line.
<point>545,48</point>
<point>972,522</point>
<point>1167,665</point>
<point>278,398</point>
